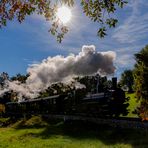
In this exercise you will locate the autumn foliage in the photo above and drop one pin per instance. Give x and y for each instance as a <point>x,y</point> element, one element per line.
<point>99,11</point>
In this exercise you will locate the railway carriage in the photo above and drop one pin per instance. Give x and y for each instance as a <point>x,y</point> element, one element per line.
<point>105,104</point>
<point>52,105</point>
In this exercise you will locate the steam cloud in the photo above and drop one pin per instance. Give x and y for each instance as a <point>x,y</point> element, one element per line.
<point>63,69</point>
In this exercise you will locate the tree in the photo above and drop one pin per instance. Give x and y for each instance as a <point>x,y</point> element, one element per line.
<point>127,79</point>
<point>141,81</point>
<point>95,83</point>
<point>19,77</point>
<point>3,78</point>
<point>97,10</point>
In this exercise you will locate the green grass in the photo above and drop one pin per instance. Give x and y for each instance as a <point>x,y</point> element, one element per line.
<point>38,133</point>
<point>132,104</point>
<point>2,120</point>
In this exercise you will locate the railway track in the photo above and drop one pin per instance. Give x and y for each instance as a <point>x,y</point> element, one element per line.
<point>121,122</point>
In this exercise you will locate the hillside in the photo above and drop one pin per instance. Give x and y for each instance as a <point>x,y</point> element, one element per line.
<point>38,133</point>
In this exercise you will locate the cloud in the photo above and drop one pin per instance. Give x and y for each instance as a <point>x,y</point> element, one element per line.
<point>125,56</point>
<point>135,27</point>
<point>125,60</point>
<point>59,68</point>
<point>63,69</point>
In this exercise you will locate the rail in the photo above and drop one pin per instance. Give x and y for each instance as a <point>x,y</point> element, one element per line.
<point>122,122</point>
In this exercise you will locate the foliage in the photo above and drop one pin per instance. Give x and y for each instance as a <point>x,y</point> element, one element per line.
<point>57,88</point>
<point>94,83</point>
<point>10,95</point>
<point>97,10</point>
<point>19,77</point>
<point>133,104</point>
<point>2,109</point>
<point>4,121</point>
<point>29,122</point>
<point>3,77</point>
<point>141,81</point>
<point>127,79</point>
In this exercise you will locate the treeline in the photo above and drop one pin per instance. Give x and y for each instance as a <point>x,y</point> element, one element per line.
<point>136,80</point>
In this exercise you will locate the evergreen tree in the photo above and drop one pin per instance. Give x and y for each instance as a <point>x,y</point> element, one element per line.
<point>141,81</point>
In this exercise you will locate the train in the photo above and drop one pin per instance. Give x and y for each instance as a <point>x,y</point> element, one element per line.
<point>110,103</point>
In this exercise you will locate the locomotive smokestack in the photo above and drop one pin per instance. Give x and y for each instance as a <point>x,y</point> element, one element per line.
<point>114,82</point>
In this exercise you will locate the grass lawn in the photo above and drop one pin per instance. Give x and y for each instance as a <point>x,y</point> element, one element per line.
<point>36,133</point>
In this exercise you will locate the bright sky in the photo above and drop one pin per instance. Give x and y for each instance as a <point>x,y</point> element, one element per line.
<point>30,42</point>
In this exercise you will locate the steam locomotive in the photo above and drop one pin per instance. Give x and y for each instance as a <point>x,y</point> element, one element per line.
<point>110,103</point>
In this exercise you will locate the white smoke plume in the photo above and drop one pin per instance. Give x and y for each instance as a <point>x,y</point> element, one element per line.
<point>63,69</point>
<point>2,91</point>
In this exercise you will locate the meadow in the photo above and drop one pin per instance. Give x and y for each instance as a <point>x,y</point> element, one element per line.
<point>35,132</point>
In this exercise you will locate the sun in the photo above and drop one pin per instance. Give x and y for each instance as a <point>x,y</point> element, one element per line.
<point>64,14</point>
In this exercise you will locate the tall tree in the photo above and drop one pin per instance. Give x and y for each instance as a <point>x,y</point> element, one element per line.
<point>94,84</point>
<point>127,79</point>
<point>100,11</point>
<point>3,78</point>
<point>141,81</point>
<point>20,77</point>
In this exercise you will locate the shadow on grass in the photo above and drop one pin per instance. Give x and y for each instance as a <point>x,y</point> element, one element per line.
<point>84,130</point>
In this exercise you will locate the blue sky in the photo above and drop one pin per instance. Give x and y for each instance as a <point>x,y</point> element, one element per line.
<point>30,42</point>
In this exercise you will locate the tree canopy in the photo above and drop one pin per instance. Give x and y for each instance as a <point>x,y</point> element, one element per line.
<point>141,73</point>
<point>127,79</point>
<point>97,10</point>
<point>141,81</point>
